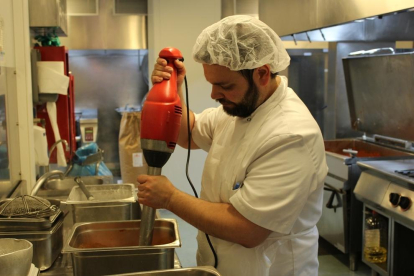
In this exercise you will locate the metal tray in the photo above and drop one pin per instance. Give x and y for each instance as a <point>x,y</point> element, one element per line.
<point>104,248</point>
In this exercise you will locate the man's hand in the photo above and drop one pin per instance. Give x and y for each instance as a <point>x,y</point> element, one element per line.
<point>220,220</point>
<point>155,191</point>
<point>163,72</point>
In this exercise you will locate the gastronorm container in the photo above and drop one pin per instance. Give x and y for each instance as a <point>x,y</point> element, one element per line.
<point>47,244</point>
<point>112,247</point>
<point>28,224</point>
<point>189,271</point>
<point>111,202</point>
<point>61,188</point>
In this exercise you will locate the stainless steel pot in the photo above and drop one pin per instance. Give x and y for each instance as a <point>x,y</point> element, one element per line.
<point>15,257</point>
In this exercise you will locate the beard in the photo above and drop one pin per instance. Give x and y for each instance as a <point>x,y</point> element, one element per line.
<point>247,105</point>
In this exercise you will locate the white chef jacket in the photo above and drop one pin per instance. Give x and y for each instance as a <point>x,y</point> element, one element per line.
<point>271,167</point>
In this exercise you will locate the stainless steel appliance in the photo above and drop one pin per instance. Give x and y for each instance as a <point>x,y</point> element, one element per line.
<point>380,98</point>
<point>387,187</point>
<point>341,221</point>
<point>46,15</point>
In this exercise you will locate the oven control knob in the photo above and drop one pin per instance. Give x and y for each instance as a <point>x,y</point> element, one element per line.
<point>394,199</point>
<point>405,203</point>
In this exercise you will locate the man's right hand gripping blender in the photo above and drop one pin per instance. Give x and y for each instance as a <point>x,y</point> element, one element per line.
<point>160,126</point>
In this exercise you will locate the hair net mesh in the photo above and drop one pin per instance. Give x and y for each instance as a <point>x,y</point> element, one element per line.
<point>241,42</point>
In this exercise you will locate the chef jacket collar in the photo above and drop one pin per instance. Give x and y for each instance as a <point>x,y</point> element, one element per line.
<point>272,101</point>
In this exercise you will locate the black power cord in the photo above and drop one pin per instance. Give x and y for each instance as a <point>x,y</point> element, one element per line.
<point>188,162</point>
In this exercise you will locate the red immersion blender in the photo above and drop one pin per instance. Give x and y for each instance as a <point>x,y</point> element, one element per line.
<point>160,126</point>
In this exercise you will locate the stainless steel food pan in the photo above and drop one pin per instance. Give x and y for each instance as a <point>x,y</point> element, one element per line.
<point>111,202</point>
<point>112,247</point>
<point>47,244</point>
<point>28,224</point>
<point>60,188</point>
<point>190,271</point>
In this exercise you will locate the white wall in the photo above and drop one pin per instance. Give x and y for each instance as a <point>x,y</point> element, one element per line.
<point>14,15</point>
<point>177,23</point>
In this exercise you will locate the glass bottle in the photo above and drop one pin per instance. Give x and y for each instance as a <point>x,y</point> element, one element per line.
<point>375,238</point>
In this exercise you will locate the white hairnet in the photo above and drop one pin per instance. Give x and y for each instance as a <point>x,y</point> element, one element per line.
<point>241,42</point>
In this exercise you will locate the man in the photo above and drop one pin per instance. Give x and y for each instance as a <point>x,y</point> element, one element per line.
<point>262,182</point>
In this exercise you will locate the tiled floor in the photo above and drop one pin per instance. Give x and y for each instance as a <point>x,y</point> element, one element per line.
<point>331,263</point>
<point>335,263</point>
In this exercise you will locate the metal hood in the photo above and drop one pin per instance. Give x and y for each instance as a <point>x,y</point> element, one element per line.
<point>110,28</point>
<point>46,16</point>
<point>296,16</point>
<point>232,7</point>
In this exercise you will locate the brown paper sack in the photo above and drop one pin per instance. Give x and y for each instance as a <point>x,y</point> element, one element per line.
<point>131,158</point>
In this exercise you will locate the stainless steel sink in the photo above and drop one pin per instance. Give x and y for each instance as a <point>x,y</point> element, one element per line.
<point>58,188</point>
<point>190,271</point>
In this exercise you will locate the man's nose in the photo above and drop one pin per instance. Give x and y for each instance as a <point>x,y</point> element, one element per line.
<point>216,93</point>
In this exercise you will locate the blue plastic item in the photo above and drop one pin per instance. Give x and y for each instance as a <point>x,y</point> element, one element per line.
<point>88,161</point>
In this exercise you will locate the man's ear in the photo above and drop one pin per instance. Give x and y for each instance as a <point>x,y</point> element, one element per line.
<point>263,75</point>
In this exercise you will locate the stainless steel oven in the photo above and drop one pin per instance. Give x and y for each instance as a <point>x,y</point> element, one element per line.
<point>380,95</point>
<point>341,221</point>
<point>386,187</point>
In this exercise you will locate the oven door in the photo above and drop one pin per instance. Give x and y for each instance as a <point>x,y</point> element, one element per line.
<point>332,225</point>
<point>403,250</point>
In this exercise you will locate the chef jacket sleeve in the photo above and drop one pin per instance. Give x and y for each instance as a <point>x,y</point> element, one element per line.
<point>277,183</point>
<point>203,129</point>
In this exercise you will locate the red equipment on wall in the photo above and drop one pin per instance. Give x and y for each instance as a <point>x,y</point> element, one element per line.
<point>65,104</point>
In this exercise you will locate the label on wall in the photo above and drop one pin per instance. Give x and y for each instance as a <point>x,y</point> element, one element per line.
<point>137,159</point>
